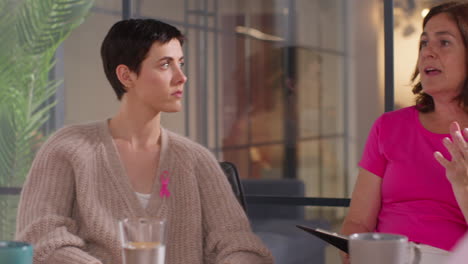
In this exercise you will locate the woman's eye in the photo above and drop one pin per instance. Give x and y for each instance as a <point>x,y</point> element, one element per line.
<point>423,43</point>
<point>165,65</point>
<point>444,42</point>
<point>181,64</point>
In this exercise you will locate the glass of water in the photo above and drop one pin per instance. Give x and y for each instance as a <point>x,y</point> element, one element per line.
<point>143,240</point>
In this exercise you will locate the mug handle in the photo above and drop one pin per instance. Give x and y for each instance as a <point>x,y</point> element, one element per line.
<point>414,253</point>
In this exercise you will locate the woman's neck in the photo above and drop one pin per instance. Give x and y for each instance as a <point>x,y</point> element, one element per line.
<point>137,129</point>
<point>443,115</point>
<point>450,112</point>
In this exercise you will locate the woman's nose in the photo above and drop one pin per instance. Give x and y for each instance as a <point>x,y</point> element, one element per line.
<point>428,51</point>
<point>180,77</point>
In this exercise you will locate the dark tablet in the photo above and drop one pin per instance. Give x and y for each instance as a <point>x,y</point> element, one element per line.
<point>337,240</point>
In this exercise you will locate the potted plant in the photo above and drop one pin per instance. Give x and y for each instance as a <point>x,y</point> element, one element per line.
<point>31,31</point>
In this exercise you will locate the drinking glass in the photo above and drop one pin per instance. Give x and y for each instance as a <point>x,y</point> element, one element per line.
<point>143,240</point>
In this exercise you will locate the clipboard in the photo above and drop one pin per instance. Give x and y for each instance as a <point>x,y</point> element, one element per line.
<point>334,239</point>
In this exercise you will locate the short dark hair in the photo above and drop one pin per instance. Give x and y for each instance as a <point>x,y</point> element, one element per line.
<point>458,12</point>
<point>128,42</point>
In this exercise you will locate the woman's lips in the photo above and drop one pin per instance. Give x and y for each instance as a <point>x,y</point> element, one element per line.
<point>178,94</point>
<point>431,71</point>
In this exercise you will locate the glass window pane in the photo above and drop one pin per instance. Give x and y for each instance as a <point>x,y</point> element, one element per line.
<point>240,157</point>
<point>332,167</point>
<point>266,85</point>
<point>332,96</point>
<point>308,23</point>
<point>332,14</point>
<point>283,76</point>
<point>267,161</point>
<point>167,10</point>
<point>309,167</point>
<point>109,5</point>
<point>309,89</point>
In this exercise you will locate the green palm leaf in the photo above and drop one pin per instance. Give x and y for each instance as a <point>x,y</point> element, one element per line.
<point>7,143</point>
<point>44,24</point>
<point>31,32</point>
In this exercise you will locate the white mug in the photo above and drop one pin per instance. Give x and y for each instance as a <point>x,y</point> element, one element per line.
<point>381,248</point>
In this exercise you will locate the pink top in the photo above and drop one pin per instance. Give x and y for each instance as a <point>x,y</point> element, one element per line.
<point>417,198</point>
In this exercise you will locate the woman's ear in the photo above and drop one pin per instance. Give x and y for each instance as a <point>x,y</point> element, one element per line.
<point>125,76</point>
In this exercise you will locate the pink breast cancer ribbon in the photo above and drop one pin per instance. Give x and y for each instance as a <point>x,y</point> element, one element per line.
<point>164,178</point>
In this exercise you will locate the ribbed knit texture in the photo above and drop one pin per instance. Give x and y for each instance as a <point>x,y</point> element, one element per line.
<point>77,190</point>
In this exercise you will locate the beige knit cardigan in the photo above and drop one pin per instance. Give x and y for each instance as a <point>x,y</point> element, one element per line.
<point>77,190</point>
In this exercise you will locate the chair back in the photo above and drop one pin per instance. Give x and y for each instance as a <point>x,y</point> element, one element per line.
<point>232,175</point>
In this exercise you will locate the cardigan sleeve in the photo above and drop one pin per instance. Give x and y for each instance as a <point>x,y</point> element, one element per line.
<point>45,208</point>
<point>227,233</point>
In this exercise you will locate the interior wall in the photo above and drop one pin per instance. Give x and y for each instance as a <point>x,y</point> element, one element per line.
<point>88,94</point>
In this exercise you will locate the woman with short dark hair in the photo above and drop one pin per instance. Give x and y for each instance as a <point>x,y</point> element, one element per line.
<point>87,177</point>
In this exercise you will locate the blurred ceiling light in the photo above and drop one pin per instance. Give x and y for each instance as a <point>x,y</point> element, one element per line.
<point>257,34</point>
<point>424,12</point>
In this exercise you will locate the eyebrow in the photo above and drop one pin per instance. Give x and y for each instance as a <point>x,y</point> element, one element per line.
<point>439,33</point>
<point>169,58</point>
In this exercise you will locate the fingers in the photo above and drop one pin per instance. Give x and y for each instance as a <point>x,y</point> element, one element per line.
<point>454,126</point>
<point>440,158</point>
<point>461,141</point>
<point>457,137</point>
<point>453,149</point>
<point>458,147</point>
<point>457,167</point>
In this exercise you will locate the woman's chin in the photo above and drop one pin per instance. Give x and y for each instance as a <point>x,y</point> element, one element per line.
<point>173,110</point>
<point>441,92</point>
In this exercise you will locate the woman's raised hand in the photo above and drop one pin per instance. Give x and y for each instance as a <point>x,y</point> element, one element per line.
<point>456,169</point>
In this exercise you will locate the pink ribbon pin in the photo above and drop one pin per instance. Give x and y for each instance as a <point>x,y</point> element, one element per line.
<point>164,178</point>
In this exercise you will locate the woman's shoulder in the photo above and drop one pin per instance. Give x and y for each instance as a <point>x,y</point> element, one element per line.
<point>71,137</point>
<point>405,114</point>
<point>77,131</point>
<point>180,141</point>
<point>184,146</point>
